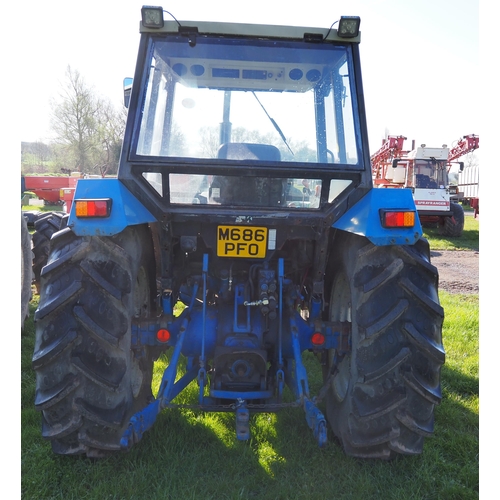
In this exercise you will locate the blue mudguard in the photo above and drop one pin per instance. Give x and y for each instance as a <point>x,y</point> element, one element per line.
<point>126,209</point>
<point>364,217</point>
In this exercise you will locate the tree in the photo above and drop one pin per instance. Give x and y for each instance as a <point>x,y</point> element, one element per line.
<point>88,128</point>
<point>210,141</point>
<point>35,157</point>
<point>109,133</point>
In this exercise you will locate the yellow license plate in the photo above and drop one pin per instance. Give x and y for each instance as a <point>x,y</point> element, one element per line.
<point>241,241</point>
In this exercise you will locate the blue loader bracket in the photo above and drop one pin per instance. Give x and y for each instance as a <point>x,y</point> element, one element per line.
<point>364,217</point>
<point>126,209</point>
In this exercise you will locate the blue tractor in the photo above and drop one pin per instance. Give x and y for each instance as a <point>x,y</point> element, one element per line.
<point>242,234</point>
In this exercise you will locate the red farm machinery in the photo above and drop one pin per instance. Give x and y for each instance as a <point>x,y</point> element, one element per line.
<point>53,190</point>
<point>425,170</point>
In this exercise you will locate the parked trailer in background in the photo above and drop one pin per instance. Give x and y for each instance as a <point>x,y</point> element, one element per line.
<point>468,175</point>
<point>53,190</point>
<point>468,187</point>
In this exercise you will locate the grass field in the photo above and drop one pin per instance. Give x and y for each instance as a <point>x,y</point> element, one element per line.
<point>191,455</point>
<point>468,241</point>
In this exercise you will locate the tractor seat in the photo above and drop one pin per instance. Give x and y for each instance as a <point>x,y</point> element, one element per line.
<point>248,151</point>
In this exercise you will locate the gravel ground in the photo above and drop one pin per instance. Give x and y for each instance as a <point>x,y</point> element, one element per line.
<point>458,270</point>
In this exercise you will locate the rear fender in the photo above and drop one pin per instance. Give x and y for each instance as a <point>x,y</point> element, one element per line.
<point>364,218</point>
<point>126,209</point>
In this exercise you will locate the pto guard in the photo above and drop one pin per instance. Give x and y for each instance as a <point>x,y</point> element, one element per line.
<point>126,209</point>
<point>364,218</point>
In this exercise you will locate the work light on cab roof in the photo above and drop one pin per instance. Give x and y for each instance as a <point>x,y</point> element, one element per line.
<point>152,17</point>
<point>349,26</point>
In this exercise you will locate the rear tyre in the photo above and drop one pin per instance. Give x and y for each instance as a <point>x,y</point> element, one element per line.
<point>381,396</point>
<point>45,226</point>
<point>453,226</point>
<point>89,381</point>
<point>26,270</point>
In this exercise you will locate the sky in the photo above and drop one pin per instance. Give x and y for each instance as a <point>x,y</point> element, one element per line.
<point>419,59</point>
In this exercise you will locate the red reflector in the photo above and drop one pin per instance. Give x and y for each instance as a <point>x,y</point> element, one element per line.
<point>318,338</point>
<point>163,335</point>
<point>398,219</point>
<point>92,208</point>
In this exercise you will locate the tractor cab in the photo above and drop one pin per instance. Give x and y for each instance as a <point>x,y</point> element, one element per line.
<point>428,177</point>
<point>266,118</point>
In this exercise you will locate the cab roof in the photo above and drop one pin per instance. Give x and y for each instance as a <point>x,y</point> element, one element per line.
<point>250,30</point>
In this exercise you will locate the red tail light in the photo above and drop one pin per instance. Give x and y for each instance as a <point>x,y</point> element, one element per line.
<point>93,208</point>
<point>396,218</point>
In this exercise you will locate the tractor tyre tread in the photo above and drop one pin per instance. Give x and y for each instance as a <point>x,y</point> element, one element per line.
<point>397,351</point>
<point>453,226</point>
<point>26,270</point>
<point>46,225</point>
<point>89,381</point>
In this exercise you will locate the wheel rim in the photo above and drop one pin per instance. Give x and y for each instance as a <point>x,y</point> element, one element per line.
<point>142,306</point>
<point>340,310</point>
<point>141,296</point>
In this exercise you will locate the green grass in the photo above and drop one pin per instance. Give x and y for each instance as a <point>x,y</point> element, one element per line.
<point>42,208</point>
<point>190,455</point>
<point>468,241</point>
